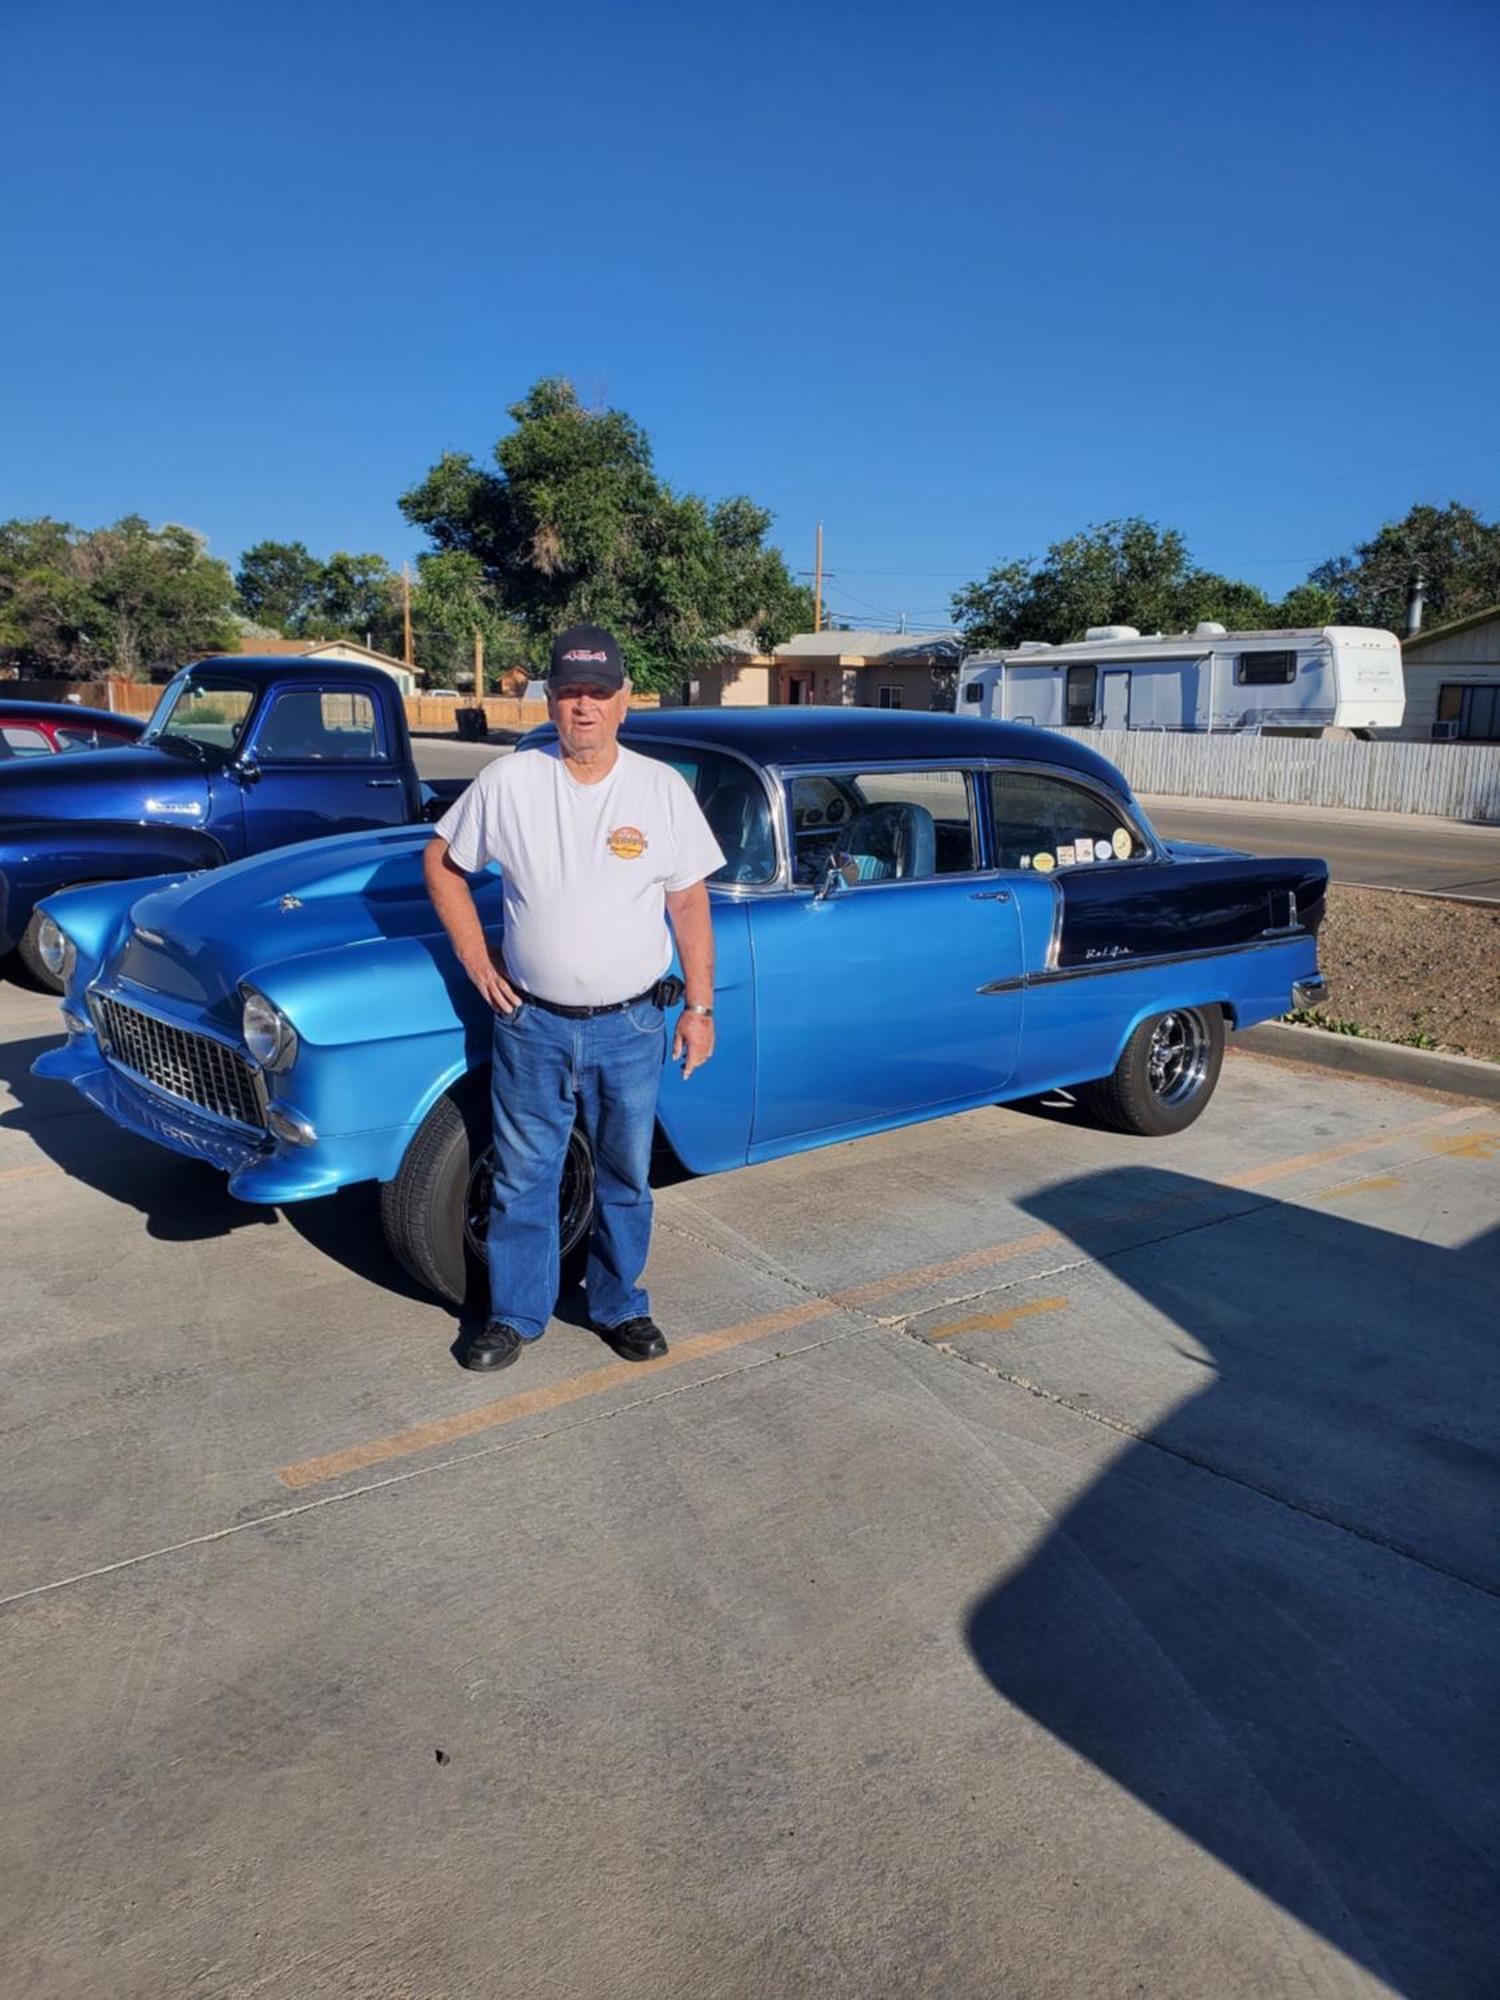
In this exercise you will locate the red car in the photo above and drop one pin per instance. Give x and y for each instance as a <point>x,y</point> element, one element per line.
<point>47,728</point>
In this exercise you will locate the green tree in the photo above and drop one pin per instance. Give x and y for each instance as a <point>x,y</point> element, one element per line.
<point>353,595</point>
<point>115,600</point>
<point>1128,572</point>
<point>575,524</point>
<point>277,583</point>
<point>1456,554</point>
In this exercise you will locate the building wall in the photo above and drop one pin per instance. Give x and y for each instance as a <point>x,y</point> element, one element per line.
<point>734,684</point>
<point>1470,658</point>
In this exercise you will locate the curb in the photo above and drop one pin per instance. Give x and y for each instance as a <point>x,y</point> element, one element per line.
<point>1387,1062</point>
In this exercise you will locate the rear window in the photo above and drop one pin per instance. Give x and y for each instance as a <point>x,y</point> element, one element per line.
<point>734,803</point>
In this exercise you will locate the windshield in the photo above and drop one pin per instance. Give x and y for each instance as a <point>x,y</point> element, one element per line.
<point>212,712</point>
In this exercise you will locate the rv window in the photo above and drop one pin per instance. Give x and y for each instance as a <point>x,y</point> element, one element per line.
<point>1265,669</point>
<point>1044,822</point>
<point>1082,684</point>
<point>974,691</point>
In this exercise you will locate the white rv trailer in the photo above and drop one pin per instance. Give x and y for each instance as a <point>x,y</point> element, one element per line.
<point>1302,682</point>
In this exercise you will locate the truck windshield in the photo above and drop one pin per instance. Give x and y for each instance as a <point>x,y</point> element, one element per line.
<point>212,713</point>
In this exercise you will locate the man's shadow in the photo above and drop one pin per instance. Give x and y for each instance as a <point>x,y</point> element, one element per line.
<point>1275,1620</point>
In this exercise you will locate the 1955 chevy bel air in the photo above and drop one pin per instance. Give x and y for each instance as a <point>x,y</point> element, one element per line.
<point>917,915</point>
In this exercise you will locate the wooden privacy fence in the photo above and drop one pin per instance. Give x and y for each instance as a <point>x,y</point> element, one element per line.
<point>1452,780</point>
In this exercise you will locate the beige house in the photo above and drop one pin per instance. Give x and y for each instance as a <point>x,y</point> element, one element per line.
<point>1452,676</point>
<point>331,649</point>
<point>911,670</point>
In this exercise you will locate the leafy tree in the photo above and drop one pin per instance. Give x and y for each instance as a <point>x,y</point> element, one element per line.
<point>277,583</point>
<point>1455,552</point>
<point>109,600</point>
<point>451,602</point>
<point>575,524</point>
<point>352,595</point>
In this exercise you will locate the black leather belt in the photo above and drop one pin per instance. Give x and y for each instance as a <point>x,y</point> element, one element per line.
<point>610,1007</point>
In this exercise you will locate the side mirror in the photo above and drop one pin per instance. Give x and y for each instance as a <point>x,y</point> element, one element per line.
<point>839,872</point>
<point>247,771</point>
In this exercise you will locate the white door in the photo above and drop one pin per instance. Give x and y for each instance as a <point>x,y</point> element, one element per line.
<point>1115,707</point>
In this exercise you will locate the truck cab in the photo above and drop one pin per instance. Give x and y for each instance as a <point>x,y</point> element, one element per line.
<point>240,755</point>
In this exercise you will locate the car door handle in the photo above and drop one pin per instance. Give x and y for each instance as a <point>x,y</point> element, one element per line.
<point>377,784</point>
<point>990,896</point>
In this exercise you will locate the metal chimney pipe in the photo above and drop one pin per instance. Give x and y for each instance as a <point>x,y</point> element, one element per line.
<point>1414,603</point>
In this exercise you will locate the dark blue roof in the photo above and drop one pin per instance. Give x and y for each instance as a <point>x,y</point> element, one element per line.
<point>813,735</point>
<point>258,668</point>
<point>67,711</point>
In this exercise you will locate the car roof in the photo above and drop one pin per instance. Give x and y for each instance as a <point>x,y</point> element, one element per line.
<point>63,712</point>
<point>258,668</point>
<point>795,734</point>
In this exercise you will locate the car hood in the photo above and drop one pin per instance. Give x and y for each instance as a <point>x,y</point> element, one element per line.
<point>197,939</point>
<point>106,784</point>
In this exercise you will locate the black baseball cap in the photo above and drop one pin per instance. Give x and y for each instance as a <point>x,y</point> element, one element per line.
<point>586,653</point>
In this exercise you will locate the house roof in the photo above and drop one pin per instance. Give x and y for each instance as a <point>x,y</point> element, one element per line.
<point>891,648</point>
<point>1475,618</point>
<point>311,649</point>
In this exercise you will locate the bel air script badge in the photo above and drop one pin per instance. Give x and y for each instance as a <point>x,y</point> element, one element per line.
<point>1107,951</point>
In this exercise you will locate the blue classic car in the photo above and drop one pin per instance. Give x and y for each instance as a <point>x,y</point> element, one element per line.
<point>918,915</point>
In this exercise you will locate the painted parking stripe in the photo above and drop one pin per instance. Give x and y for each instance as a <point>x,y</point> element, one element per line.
<point>532,1402</point>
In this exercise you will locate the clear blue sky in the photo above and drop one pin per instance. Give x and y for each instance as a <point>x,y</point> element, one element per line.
<point>956,279</point>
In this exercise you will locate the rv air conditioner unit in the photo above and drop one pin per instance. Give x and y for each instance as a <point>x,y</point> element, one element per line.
<point>1102,633</point>
<point>1444,732</point>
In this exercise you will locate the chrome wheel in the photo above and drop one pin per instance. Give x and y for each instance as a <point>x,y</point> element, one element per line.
<point>575,1199</point>
<point>1177,1060</point>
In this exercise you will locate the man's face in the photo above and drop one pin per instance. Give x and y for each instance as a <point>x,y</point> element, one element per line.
<point>587,716</point>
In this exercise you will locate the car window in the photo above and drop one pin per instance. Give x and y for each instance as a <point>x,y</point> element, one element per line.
<point>319,725</point>
<point>81,737</point>
<point>892,825</point>
<point>735,805</point>
<point>1046,822</point>
<point>23,741</point>
<point>211,712</point>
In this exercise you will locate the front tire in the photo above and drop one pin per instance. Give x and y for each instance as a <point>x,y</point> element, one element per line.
<point>435,1213</point>
<point>1165,1076</point>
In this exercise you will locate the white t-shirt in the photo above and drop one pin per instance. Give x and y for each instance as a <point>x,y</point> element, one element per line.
<point>585,868</point>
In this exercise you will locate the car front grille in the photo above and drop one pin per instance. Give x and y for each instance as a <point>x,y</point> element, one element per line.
<point>194,1068</point>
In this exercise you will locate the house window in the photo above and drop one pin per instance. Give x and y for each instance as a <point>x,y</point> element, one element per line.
<point>888,697</point>
<point>1476,710</point>
<point>1265,669</point>
<point>1083,686</point>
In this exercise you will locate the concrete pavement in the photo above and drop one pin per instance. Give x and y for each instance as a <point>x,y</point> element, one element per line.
<point>1048,1563</point>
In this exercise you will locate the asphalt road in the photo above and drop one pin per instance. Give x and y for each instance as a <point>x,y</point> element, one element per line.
<point>1377,850</point>
<point>1048,1563</point>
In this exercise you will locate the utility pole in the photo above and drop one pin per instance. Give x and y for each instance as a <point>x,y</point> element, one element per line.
<point>478,664</point>
<point>406,612</point>
<point>818,584</point>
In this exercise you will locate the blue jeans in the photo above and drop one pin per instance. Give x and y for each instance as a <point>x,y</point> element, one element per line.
<point>548,1072</point>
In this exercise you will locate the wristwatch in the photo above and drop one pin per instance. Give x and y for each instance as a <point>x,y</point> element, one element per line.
<point>689,1008</point>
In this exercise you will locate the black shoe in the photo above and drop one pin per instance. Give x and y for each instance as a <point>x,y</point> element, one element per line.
<point>635,1339</point>
<point>493,1346</point>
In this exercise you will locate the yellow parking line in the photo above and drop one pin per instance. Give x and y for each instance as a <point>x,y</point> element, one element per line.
<point>532,1402</point>
<point>1000,1322</point>
<point>1367,1186</point>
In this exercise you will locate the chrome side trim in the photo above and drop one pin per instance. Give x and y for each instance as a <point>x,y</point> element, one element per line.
<point>1058,975</point>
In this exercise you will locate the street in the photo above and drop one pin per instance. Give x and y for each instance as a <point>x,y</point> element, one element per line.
<point>1047,1563</point>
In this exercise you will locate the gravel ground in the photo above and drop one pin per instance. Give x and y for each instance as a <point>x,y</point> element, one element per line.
<point>1404,966</point>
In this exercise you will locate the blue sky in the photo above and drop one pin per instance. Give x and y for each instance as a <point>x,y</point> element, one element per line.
<point>957,280</point>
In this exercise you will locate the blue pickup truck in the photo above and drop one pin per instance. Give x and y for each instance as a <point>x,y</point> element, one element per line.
<point>240,755</point>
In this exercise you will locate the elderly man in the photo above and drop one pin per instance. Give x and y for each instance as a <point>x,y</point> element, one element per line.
<point>597,847</point>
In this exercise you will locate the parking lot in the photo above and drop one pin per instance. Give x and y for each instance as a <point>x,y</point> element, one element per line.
<point>1047,1563</point>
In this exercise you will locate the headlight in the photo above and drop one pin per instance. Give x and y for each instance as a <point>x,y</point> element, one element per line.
<point>269,1035</point>
<point>55,948</point>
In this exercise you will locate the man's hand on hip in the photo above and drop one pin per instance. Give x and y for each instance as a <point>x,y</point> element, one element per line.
<point>492,983</point>
<point>693,1043</point>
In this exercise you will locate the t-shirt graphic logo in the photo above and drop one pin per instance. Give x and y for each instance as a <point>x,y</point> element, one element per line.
<point>627,843</point>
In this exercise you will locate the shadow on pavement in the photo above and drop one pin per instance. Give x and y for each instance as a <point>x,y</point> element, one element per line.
<point>1274,1620</point>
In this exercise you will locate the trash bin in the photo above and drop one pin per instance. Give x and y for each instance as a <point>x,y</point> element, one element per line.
<point>472,726</point>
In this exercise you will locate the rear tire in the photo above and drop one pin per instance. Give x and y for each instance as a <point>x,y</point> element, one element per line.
<point>1165,1076</point>
<point>434,1213</point>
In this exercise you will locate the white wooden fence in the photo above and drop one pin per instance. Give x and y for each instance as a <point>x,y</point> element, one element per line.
<point>1452,780</point>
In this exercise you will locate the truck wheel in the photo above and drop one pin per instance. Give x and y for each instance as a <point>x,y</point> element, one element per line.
<point>1165,1075</point>
<point>435,1213</point>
